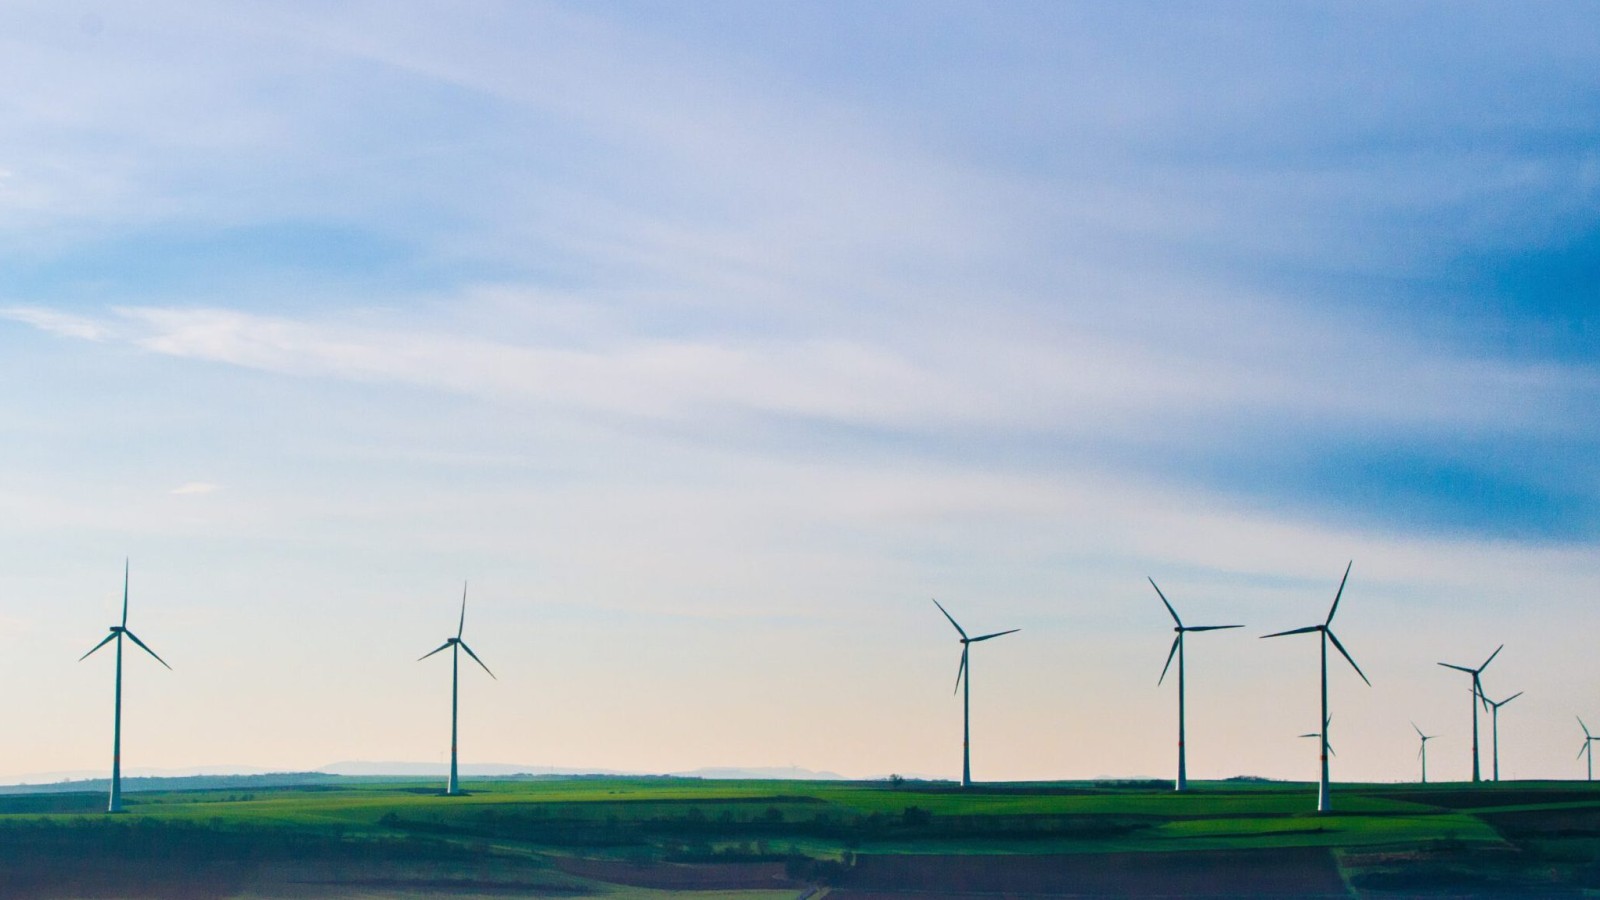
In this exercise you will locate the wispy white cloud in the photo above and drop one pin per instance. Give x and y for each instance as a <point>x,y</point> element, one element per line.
<point>927,378</point>
<point>64,324</point>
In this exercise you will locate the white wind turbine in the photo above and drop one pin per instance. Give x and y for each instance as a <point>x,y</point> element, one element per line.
<point>1326,631</point>
<point>456,645</point>
<point>1182,782</point>
<point>118,632</point>
<point>964,679</point>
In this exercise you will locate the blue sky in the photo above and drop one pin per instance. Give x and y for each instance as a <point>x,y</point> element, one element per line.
<point>710,340</point>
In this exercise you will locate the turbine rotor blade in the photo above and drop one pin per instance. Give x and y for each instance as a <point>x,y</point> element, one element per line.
<point>1346,655</point>
<point>135,638</point>
<point>1459,668</point>
<point>962,670</point>
<point>112,636</point>
<point>433,651</point>
<point>124,592</point>
<point>1164,601</point>
<point>1170,654</point>
<point>1209,627</point>
<point>1510,698</point>
<point>1335,608</point>
<point>1418,731</point>
<point>1584,727</point>
<point>994,635</point>
<point>1491,657</point>
<point>476,659</point>
<point>1306,630</point>
<point>462,626</point>
<point>952,619</point>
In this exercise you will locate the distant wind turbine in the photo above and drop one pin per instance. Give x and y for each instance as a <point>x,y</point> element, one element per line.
<point>1495,727</point>
<point>1326,631</point>
<point>1182,782</point>
<point>1588,746</point>
<point>1422,754</point>
<point>456,645</point>
<point>118,632</point>
<point>1477,696</point>
<point>1317,734</point>
<point>964,679</point>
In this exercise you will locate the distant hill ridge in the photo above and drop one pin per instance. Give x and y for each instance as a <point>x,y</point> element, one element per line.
<point>357,771</point>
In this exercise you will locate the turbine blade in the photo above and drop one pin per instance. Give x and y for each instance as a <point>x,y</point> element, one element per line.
<point>1346,654</point>
<point>1312,734</point>
<point>433,651</point>
<point>1418,731</point>
<point>952,619</point>
<point>476,659</point>
<point>1491,657</point>
<point>1170,654</point>
<point>962,670</point>
<point>462,626</point>
<point>124,592</point>
<point>112,636</point>
<point>1581,749</point>
<point>994,635</point>
<point>1584,727</point>
<point>135,638</point>
<point>1306,630</point>
<point>1164,601</point>
<point>1419,754</point>
<point>1458,668</point>
<point>1331,751</point>
<point>1335,608</point>
<point>1210,627</point>
<point>1510,698</point>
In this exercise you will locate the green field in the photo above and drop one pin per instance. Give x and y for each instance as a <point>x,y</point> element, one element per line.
<point>652,837</point>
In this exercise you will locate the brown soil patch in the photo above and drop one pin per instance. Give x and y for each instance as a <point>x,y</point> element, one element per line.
<point>1289,872</point>
<point>680,876</point>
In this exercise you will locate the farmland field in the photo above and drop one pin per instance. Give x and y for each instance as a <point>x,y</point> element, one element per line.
<point>660,837</point>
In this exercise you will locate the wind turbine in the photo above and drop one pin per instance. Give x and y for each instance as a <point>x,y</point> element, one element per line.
<point>1495,727</point>
<point>1588,746</point>
<point>1177,649</point>
<point>118,632</point>
<point>456,645</point>
<point>966,697</point>
<point>1477,695</point>
<point>1326,631</point>
<point>1422,754</point>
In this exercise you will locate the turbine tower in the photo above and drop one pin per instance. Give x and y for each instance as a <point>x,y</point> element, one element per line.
<point>966,697</point>
<point>1422,754</point>
<point>1326,631</point>
<point>1588,746</point>
<point>1477,695</point>
<point>1182,782</point>
<point>456,645</point>
<point>118,632</point>
<point>1494,727</point>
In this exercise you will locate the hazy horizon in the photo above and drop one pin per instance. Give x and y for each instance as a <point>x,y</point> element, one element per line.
<point>710,341</point>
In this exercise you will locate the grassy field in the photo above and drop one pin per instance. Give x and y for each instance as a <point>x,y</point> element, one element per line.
<point>655,837</point>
